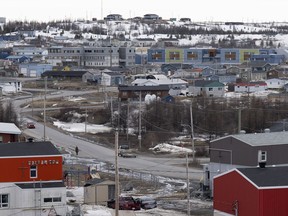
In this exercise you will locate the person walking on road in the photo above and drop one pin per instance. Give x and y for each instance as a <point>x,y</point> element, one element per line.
<point>76,150</point>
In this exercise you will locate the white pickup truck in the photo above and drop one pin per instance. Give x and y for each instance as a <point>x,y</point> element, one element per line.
<point>125,152</point>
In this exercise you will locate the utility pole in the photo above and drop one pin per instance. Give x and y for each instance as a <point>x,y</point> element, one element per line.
<point>239,120</point>
<point>116,165</point>
<point>188,187</point>
<point>32,105</point>
<point>139,136</point>
<point>110,53</point>
<point>127,130</point>
<point>116,175</point>
<point>44,112</point>
<point>111,108</point>
<point>192,132</point>
<point>86,120</point>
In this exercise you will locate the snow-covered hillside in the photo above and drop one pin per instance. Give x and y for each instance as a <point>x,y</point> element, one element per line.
<point>186,32</point>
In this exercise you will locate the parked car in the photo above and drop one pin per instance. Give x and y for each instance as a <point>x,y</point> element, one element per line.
<point>125,203</point>
<point>30,125</point>
<point>147,202</point>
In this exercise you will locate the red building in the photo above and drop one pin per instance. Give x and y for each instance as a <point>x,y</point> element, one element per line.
<point>31,179</point>
<point>252,191</point>
<point>9,132</point>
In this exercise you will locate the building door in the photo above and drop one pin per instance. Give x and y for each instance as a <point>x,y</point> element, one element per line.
<point>37,202</point>
<point>111,192</point>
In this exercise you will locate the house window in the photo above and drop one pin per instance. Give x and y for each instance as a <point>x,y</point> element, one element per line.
<point>1,139</point>
<point>262,156</point>
<point>52,199</point>
<point>210,89</point>
<point>4,200</point>
<point>192,55</point>
<point>230,56</point>
<point>156,56</point>
<point>174,55</point>
<point>33,171</point>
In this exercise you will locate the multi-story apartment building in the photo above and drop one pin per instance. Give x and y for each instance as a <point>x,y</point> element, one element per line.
<point>127,56</point>
<point>91,56</point>
<point>59,55</point>
<point>100,56</point>
<point>221,56</point>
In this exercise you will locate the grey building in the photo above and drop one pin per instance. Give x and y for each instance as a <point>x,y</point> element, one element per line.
<point>33,69</point>
<point>245,150</point>
<point>113,17</point>
<point>91,56</point>
<point>151,17</point>
<point>100,56</point>
<point>207,88</point>
<point>111,78</point>
<point>127,56</point>
<point>144,42</point>
<point>92,76</point>
<point>65,56</point>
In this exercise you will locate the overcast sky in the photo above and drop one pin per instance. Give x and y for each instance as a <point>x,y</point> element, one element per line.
<point>209,10</point>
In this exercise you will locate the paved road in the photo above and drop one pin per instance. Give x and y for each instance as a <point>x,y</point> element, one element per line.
<point>168,167</point>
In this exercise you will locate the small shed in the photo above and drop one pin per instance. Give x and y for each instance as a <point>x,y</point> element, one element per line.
<point>98,191</point>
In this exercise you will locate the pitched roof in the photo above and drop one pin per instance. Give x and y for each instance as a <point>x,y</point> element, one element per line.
<point>259,83</point>
<point>144,88</point>
<point>64,73</point>
<point>15,149</point>
<point>41,185</point>
<point>96,181</point>
<point>261,139</point>
<point>267,177</point>
<point>208,83</point>
<point>9,128</point>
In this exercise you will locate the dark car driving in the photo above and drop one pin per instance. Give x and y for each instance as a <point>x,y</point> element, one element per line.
<point>30,125</point>
<point>125,203</point>
<point>147,202</point>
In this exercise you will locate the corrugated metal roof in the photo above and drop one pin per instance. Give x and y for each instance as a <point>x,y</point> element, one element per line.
<point>9,128</point>
<point>261,139</point>
<point>41,185</point>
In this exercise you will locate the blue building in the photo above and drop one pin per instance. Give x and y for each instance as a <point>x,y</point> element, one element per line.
<point>212,56</point>
<point>193,56</point>
<point>141,59</point>
<point>10,37</point>
<point>18,59</point>
<point>156,56</point>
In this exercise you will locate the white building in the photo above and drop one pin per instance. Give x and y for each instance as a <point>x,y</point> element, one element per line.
<point>275,83</point>
<point>10,86</point>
